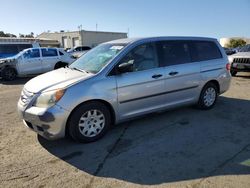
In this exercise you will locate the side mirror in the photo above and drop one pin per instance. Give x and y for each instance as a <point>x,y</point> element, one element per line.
<point>125,67</point>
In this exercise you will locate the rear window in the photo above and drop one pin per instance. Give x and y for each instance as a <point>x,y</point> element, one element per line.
<point>173,52</point>
<point>49,52</point>
<point>204,50</point>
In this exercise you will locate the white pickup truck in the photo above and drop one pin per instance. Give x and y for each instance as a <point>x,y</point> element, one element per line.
<point>33,61</point>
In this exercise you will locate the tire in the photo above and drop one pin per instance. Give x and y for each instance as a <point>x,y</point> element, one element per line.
<point>233,73</point>
<point>9,74</point>
<point>208,96</point>
<point>89,122</point>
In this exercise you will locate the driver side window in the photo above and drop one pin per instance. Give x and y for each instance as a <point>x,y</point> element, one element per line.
<point>34,53</point>
<point>142,57</point>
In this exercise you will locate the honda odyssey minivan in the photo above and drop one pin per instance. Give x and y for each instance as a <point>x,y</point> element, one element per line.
<point>123,79</point>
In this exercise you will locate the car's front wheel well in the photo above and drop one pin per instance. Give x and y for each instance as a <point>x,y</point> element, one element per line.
<point>107,104</point>
<point>10,66</point>
<point>60,64</point>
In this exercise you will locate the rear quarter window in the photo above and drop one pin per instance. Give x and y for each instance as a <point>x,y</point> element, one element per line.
<point>204,50</point>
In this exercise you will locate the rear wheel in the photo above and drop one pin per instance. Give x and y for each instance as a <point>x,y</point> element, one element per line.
<point>208,96</point>
<point>233,72</point>
<point>9,74</point>
<point>89,122</point>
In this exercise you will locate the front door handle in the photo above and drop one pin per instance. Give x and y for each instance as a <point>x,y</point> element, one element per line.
<point>157,76</point>
<point>173,73</point>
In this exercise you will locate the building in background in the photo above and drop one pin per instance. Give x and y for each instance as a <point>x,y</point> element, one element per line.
<point>11,46</point>
<point>225,41</point>
<point>81,38</point>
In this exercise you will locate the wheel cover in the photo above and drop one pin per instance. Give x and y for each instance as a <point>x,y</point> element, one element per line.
<point>209,96</point>
<point>91,123</point>
<point>10,74</point>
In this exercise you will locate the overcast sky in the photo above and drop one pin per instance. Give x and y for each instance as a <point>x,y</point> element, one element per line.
<point>212,18</point>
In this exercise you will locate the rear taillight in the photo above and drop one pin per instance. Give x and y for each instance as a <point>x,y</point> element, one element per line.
<point>228,66</point>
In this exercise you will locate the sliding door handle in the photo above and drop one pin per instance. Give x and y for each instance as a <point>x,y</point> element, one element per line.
<point>157,76</point>
<point>173,73</point>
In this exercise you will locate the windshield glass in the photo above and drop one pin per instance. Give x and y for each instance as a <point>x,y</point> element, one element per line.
<point>20,53</point>
<point>94,60</point>
<point>245,48</point>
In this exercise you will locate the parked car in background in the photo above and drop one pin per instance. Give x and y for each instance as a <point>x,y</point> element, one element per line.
<point>123,79</point>
<point>236,50</point>
<point>229,51</point>
<point>78,51</point>
<point>240,62</point>
<point>33,61</point>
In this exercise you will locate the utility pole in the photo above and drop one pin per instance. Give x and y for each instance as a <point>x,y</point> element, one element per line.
<point>96,26</point>
<point>80,33</point>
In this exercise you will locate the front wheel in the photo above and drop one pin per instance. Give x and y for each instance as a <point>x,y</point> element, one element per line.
<point>208,96</point>
<point>9,74</point>
<point>89,122</point>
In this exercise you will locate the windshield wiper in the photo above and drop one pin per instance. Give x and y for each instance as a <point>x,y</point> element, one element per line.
<point>74,68</point>
<point>81,70</point>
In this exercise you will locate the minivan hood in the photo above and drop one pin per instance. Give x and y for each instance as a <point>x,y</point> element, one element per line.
<point>56,79</point>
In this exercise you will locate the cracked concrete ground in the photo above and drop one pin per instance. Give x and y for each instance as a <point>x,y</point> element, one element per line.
<point>184,147</point>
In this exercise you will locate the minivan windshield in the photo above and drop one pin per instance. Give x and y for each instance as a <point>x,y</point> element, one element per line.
<point>94,60</point>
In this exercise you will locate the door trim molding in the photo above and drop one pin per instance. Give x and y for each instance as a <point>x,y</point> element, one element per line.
<point>154,95</point>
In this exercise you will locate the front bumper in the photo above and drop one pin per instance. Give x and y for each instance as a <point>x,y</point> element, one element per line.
<point>240,67</point>
<point>49,123</point>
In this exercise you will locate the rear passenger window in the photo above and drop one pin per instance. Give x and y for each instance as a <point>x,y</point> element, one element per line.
<point>205,50</point>
<point>49,52</point>
<point>173,52</point>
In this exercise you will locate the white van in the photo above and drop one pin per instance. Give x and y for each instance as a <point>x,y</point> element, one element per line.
<point>33,61</point>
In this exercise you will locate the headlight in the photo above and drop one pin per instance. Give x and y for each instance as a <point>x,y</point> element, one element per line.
<point>230,59</point>
<point>49,98</point>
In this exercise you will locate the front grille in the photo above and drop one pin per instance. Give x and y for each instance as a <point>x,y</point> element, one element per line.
<point>26,97</point>
<point>242,60</point>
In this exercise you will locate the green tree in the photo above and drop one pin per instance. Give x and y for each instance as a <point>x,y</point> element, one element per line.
<point>234,43</point>
<point>2,34</point>
<point>31,35</point>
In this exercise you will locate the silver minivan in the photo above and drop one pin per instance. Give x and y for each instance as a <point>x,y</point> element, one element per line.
<point>123,79</point>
